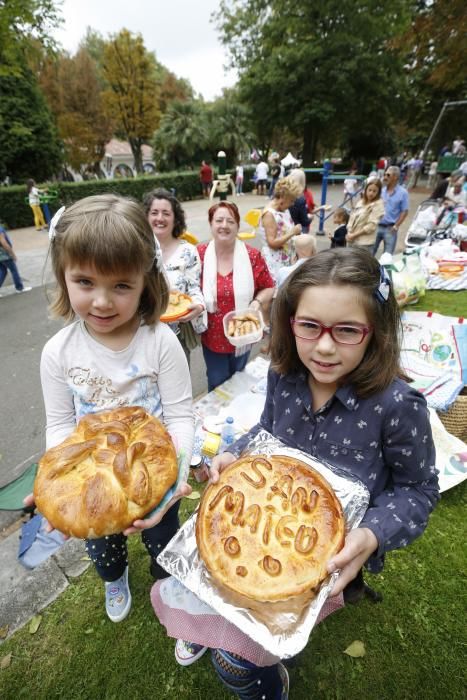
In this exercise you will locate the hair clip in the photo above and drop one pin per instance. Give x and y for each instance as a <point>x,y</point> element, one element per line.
<point>54,222</point>
<point>158,255</point>
<point>382,290</point>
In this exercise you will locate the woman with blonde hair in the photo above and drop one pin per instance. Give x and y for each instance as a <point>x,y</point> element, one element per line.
<point>363,221</point>
<point>277,227</point>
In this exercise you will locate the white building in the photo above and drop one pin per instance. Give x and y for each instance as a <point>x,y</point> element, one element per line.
<point>119,162</point>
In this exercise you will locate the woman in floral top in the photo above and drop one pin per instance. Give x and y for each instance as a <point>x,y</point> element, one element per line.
<point>234,276</point>
<point>277,227</point>
<point>181,262</point>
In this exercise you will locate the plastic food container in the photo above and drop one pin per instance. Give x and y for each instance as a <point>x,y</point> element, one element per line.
<point>245,335</point>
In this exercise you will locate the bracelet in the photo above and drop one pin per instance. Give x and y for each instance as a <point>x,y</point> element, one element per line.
<point>258,301</point>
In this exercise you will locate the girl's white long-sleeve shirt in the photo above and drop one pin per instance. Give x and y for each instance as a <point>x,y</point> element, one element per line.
<point>80,375</point>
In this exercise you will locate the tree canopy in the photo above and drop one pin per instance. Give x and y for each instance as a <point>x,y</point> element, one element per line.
<point>435,46</point>
<point>29,146</point>
<point>132,95</point>
<point>323,69</point>
<point>182,135</point>
<point>24,24</point>
<point>74,93</point>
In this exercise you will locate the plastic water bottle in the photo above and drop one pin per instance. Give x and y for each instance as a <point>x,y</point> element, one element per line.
<point>227,434</point>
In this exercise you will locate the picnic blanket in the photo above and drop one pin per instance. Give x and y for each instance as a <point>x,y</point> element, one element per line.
<point>434,355</point>
<point>451,455</point>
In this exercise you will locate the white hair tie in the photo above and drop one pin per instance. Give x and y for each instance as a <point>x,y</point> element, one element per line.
<point>54,222</point>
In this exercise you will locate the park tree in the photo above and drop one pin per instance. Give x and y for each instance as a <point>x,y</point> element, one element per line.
<point>229,126</point>
<point>132,96</point>
<point>29,145</point>
<point>183,134</point>
<point>73,90</point>
<point>25,24</point>
<point>317,68</point>
<point>435,47</point>
<point>172,88</point>
<point>94,43</point>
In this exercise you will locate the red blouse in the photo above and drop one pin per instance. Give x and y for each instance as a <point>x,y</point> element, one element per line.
<point>214,337</point>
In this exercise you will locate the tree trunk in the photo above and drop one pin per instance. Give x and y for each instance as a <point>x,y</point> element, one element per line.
<point>310,141</point>
<point>137,155</point>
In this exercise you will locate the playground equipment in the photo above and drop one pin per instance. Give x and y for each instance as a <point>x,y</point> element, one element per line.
<point>328,174</point>
<point>224,181</point>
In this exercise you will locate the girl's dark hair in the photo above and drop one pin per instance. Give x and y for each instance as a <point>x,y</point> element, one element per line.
<point>112,234</point>
<point>179,214</point>
<point>29,184</point>
<point>354,267</point>
<point>377,183</point>
<point>231,206</point>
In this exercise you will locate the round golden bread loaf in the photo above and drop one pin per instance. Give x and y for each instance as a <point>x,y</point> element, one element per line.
<point>113,469</point>
<point>267,529</point>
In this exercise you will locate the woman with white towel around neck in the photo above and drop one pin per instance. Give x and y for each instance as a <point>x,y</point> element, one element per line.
<point>233,276</point>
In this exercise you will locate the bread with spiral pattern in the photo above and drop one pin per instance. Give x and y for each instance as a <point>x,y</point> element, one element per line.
<point>113,469</point>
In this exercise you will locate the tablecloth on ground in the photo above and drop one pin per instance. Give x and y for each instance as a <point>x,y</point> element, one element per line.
<point>434,355</point>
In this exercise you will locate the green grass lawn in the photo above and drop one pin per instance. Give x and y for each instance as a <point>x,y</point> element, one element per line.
<point>446,303</point>
<point>414,640</point>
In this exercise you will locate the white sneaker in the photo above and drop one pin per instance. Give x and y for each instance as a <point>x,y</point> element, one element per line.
<point>118,598</point>
<point>187,653</point>
<point>25,289</point>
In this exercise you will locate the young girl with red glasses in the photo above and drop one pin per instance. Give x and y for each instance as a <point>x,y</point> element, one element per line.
<point>336,391</point>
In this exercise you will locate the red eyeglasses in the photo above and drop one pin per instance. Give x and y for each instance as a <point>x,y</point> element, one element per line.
<point>341,333</point>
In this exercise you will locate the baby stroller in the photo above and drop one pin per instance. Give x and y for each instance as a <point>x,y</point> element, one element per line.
<point>433,220</point>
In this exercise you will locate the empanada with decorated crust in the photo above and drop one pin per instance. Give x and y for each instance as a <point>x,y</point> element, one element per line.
<point>267,529</point>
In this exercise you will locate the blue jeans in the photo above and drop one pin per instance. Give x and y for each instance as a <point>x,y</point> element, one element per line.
<point>388,236</point>
<point>6,265</point>
<point>221,366</point>
<point>110,554</point>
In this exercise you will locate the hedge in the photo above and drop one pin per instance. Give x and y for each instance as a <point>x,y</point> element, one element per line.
<point>16,213</point>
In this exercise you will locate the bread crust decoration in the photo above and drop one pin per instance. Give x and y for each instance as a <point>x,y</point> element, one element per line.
<point>113,469</point>
<point>267,529</point>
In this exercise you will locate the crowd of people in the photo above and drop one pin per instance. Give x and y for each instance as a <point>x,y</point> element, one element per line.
<point>333,317</point>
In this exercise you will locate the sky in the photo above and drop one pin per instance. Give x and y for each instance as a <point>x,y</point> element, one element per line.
<point>178,31</point>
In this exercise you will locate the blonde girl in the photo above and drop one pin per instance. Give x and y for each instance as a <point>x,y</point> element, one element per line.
<point>114,352</point>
